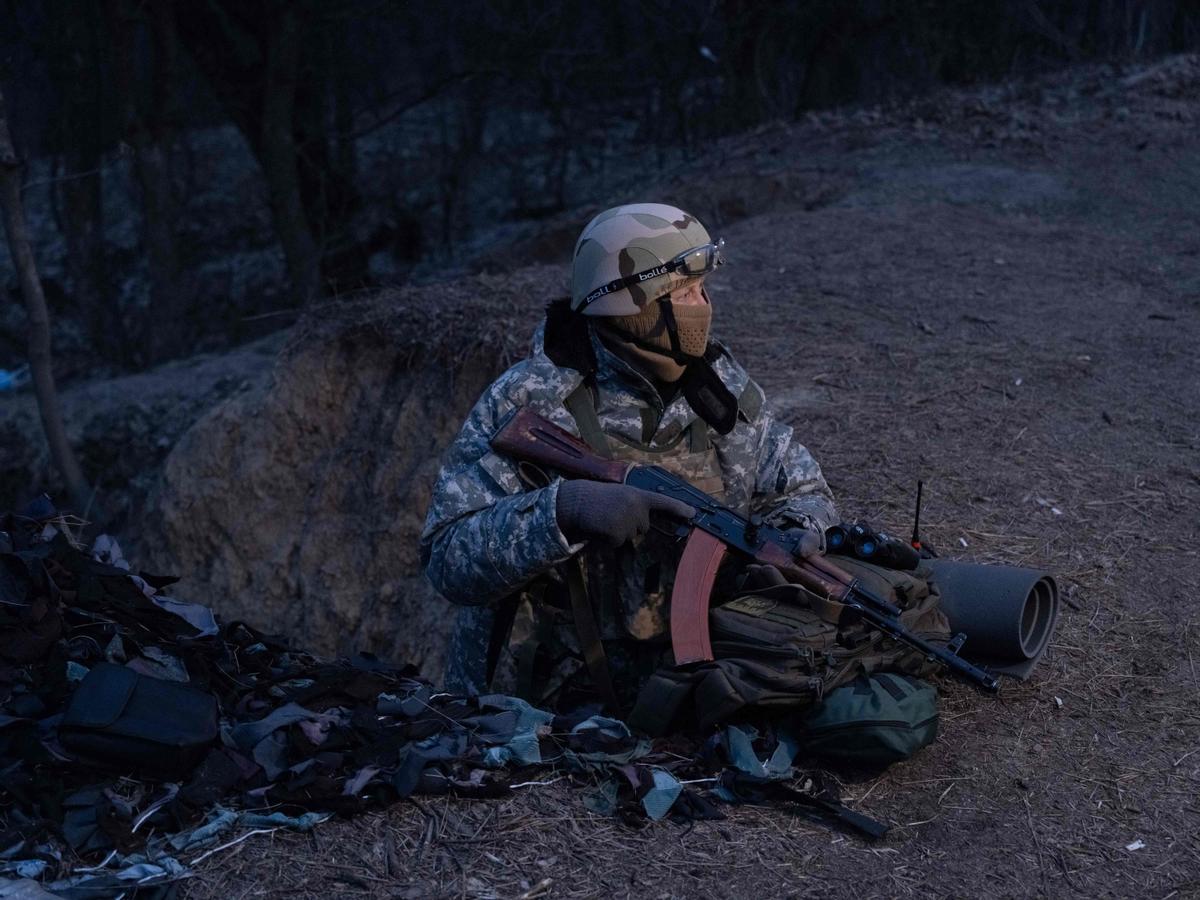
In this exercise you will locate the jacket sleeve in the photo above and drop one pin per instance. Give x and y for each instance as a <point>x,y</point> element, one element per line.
<point>485,535</point>
<point>789,488</point>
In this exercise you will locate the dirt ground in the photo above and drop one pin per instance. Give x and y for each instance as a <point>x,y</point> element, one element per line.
<point>1003,298</point>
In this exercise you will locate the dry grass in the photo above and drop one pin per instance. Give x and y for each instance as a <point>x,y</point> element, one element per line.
<point>478,319</point>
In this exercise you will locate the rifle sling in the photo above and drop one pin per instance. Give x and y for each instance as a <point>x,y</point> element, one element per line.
<point>589,636</point>
<point>582,407</point>
<point>829,809</point>
<point>502,624</point>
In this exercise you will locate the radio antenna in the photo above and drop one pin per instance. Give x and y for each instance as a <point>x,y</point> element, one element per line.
<point>916,538</point>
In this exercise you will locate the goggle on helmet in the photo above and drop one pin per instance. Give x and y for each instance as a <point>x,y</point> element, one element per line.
<point>690,263</point>
<point>629,255</point>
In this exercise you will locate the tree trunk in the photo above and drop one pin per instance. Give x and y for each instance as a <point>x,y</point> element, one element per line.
<point>83,221</point>
<point>269,64</point>
<point>164,330</point>
<point>326,157</point>
<point>169,300</point>
<point>76,67</point>
<point>40,362</point>
<point>279,157</point>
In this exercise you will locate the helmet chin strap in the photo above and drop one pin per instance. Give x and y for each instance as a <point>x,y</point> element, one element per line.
<point>672,328</point>
<point>668,315</point>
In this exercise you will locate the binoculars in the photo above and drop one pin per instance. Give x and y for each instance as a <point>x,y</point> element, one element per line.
<point>860,540</point>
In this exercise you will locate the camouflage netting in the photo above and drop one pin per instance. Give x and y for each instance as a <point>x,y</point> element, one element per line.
<point>138,730</point>
<point>297,503</point>
<point>110,692</point>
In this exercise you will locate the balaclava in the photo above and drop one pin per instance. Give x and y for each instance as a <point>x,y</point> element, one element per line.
<point>661,339</point>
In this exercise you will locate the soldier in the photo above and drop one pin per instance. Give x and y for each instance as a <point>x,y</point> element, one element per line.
<point>627,364</point>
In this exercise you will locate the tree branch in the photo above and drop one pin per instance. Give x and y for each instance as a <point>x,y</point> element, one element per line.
<point>40,361</point>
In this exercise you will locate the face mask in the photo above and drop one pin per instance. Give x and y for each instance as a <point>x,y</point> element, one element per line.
<point>662,337</point>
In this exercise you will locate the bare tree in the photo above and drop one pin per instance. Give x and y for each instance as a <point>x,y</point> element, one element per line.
<point>148,129</point>
<point>40,361</point>
<point>74,45</point>
<point>258,59</point>
<point>278,153</point>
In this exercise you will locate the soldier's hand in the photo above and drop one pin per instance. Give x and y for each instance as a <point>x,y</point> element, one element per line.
<point>806,543</point>
<point>614,513</point>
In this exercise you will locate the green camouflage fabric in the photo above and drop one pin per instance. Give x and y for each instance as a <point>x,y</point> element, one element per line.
<point>488,534</point>
<point>628,239</point>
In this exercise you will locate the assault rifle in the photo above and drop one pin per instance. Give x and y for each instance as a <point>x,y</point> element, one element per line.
<point>713,532</point>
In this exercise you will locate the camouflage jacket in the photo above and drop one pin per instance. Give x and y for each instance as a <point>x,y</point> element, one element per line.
<point>488,534</point>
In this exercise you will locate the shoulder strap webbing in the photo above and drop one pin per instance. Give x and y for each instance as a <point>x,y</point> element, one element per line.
<point>750,403</point>
<point>582,407</point>
<point>534,664</point>
<point>589,636</point>
<point>649,424</point>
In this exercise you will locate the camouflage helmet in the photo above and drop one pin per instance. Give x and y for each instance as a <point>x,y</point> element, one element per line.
<point>632,254</point>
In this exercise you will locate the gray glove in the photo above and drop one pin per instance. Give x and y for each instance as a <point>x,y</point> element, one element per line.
<point>807,543</point>
<point>614,513</point>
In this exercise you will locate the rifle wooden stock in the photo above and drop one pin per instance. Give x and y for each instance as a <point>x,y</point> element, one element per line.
<point>526,435</point>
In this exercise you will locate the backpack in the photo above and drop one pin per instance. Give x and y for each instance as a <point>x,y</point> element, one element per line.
<point>873,721</point>
<point>781,650</point>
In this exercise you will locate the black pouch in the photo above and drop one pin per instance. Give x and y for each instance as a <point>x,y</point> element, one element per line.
<point>121,718</point>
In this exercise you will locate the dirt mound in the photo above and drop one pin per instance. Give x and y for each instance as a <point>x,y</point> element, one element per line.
<point>297,504</point>
<point>121,428</point>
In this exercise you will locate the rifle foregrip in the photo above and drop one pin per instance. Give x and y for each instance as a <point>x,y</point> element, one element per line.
<point>799,571</point>
<point>527,436</point>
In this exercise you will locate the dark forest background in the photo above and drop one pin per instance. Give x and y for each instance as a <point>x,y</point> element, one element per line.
<point>198,170</point>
